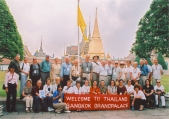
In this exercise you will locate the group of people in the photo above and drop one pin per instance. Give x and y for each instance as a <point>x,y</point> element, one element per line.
<point>92,77</point>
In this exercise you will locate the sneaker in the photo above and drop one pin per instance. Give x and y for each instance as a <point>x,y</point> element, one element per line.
<point>67,111</point>
<point>164,106</point>
<point>49,109</point>
<point>27,111</point>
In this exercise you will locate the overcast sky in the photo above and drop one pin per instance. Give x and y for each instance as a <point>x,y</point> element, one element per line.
<point>55,21</point>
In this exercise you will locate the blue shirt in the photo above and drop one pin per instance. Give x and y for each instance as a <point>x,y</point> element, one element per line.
<point>65,69</point>
<point>55,94</point>
<point>45,66</point>
<point>144,70</point>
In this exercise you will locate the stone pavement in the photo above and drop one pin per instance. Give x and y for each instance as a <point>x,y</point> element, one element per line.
<point>158,113</point>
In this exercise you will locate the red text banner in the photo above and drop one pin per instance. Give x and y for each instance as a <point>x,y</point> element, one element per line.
<point>97,102</point>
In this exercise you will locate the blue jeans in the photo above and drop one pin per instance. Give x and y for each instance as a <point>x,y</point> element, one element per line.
<point>37,101</point>
<point>23,82</point>
<point>48,101</point>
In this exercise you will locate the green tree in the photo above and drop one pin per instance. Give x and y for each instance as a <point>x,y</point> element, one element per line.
<point>10,39</point>
<point>153,30</point>
<point>161,61</point>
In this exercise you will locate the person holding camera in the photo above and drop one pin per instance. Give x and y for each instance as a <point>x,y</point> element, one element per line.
<point>159,94</point>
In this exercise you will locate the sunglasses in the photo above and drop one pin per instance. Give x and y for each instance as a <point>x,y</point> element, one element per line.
<point>158,82</point>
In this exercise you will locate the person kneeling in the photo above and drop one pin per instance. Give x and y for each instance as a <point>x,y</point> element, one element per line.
<point>139,99</point>
<point>57,101</point>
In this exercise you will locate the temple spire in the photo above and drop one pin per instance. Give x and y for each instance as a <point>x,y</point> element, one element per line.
<point>41,49</point>
<point>96,33</point>
<point>89,37</point>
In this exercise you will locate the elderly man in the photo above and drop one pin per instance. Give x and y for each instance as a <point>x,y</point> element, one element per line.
<point>144,72</point>
<point>75,73</point>
<point>15,63</point>
<point>24,68</point>
<point>116,72</point>
<point>103,87</point>
<point>135,73</point>
<point>68,88</point>
<point>36,96</point>
<point>109,70</point>
<point>103,73</point>
<point>157,71</point>
<point>45,68</point>
<point>65,71</point>
<point>149,68</point>
<point>129,68</point>
<point>86,70</point>
<point>96,64</point>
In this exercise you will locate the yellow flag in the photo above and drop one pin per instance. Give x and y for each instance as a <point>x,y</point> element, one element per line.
<point>81,23</point>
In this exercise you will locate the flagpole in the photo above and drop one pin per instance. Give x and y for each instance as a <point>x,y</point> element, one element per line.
<point>78,41</point>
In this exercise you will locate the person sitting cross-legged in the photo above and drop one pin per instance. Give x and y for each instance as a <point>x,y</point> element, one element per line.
<point>58,101</point>
<point>159,94</point>
<point>139,99</point>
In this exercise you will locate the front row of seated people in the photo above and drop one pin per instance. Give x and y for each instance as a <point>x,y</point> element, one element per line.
<point>54,94</point>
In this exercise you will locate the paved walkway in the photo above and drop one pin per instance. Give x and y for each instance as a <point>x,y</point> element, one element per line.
<point>159,113</point>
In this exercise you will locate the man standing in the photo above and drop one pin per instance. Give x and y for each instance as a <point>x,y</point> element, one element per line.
<point>103,73</point>
<point>157,71</point>
<point>86,70</point>
<point>15,63</point>
<point>109,70</point>
<point>116,72</point>
<point>45,68</point>
<point>24,68</point>
<point>129,69</point>
<point>150,70</point>
<point>144,72</point>
<point>96,64</point>
<point>65,71</point>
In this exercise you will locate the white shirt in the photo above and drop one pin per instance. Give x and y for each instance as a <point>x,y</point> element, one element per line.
<point>149,68</point>
<point>26,68</point>
<point>116,72</point>
<point>103,71</point>
<point>45,88</point>
<point>112,89</point>
<point>11,78</point>
<point>156,69</point>
<point>123,70</point>
<point>96,66</point>
<point>85,89</point>
<point>135,72</point>
<point>159,88</point>
<point>109,69</point>
<point>68,90</point>
<point>140,93</point>
<point>54,87</point>
<point>130,89</point>
<point>128,70</point>
<point>76,90</point>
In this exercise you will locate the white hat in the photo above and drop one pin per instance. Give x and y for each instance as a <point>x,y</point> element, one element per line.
<point>121,62</point>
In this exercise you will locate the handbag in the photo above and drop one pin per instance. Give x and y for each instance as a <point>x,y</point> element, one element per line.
<point>3,86</point>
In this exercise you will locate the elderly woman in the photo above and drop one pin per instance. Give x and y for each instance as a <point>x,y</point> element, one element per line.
<point>48,88</point>
<point>121,89</point>
<point>112,89</point>
<point>77,89</point>
<point>159,93</point>
<point>55,70</point>
<point>86,87</point>
<point>34,73</point>
<point>148,90</point>
<point>26,93</point>
<point>57,82</point>
<point>11,84</point>
<point>94,89</point>
<point>129,87</point>
<point>58,101</point>
<point>123,70</point>
<point>139,99</point>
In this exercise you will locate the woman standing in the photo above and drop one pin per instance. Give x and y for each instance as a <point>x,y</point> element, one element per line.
<point>148,90</point>
<point>26,93</point>
<point>57,101</point>
<point>11,84</point>
<point>112,89</point>
<point>55,70</point>
<point>34,73</point>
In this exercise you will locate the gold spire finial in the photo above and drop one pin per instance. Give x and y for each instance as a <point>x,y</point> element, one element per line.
<point>96,33</point>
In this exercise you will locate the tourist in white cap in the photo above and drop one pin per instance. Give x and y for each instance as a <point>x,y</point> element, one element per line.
<point>116,72</point>
<point>123,70</point>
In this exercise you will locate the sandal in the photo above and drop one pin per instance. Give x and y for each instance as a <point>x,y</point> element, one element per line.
<point>141,107</point>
